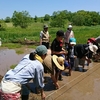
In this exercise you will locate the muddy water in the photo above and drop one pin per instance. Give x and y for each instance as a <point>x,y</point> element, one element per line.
<point>9,57</point>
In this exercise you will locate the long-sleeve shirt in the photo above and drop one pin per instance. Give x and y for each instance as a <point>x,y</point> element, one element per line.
<point>81,50</point>
<point>25,71</point>
<point>69,34</point>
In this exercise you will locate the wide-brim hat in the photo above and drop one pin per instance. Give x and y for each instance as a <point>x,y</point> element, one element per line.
<point>93,48</point>
<point>47,63</point>
<point>58,61</point>
<point>49,60</point>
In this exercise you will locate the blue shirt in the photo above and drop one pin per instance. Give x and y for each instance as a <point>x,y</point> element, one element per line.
<point>25,71</point>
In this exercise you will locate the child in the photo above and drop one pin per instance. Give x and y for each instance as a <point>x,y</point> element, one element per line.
<point>51,63</point>
<point>57,49</point>
<point>71,56</point>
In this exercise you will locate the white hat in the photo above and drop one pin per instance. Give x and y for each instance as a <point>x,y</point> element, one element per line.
<point>70,26</point>
<point>93,48</point>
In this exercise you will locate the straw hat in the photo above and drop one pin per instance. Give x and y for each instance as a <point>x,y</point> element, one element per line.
<point>58,61</point>
<point>93,48</point>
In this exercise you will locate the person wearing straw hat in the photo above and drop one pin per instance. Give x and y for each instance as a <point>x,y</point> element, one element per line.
<point>84,52</point>
<point>30,67</point>
<point>52,65</point>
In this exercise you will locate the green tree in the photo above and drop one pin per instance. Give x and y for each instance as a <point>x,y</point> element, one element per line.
<point>78,20</point>
<point>21,19</point>
<point>7,19</point>
<point>35,19</point>
<point>58,21</point>
<point>46,17</point>
<point>95,18</point>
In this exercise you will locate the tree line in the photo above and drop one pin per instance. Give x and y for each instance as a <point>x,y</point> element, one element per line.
<point>58,18</point>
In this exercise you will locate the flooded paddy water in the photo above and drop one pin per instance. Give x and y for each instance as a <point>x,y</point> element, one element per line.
<point>79,86</point>
<point>9,57</point>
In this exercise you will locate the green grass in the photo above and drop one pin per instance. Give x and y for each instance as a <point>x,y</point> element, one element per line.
<point>19,51</point>
<point>12,66</point>
<point>11,45</point>
<point>15,34</point>
<point>83,33</point>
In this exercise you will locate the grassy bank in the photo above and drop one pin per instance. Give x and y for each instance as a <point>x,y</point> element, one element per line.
<point>15,34</point>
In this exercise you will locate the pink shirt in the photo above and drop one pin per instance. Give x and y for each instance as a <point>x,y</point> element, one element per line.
<point>68,35</point>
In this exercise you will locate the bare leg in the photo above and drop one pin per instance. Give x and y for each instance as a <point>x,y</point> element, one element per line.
<point>54,79</point>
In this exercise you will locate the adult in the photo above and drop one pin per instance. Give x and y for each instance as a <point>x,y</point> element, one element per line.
<point>52,64</point>
<point>84,52</point>
<point>92,41</point>
<point>30,67</point>
<point>44,36</point>
<point>95,41</point>
<point>68,34</point>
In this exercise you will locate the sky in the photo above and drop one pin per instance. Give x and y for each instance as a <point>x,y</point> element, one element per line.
<point>41,7</point>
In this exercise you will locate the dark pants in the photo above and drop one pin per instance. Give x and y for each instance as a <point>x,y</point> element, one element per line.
<point>46,44</point>
<point>24,97</point>
<point>72,62</point>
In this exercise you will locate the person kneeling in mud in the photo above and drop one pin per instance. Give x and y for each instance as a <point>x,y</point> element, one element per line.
<point>53,65</point>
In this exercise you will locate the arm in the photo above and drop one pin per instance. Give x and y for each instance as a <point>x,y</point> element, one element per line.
<point>53,49</point>
<point>40,41</point>
<point>41,38</point>
<point>73,35</point>
<point>39,80</point>
<point>58,53</point>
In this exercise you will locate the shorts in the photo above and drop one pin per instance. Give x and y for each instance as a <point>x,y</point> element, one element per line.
<point>66,64</point>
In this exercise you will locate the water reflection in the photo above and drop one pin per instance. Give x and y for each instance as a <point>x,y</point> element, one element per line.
<point>9,57</point>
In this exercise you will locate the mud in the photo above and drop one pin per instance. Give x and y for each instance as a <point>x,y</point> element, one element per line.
<point>79,86</point>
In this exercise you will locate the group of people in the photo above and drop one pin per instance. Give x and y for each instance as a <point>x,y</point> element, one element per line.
<point>73,53</point>
<point>15,83</point>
